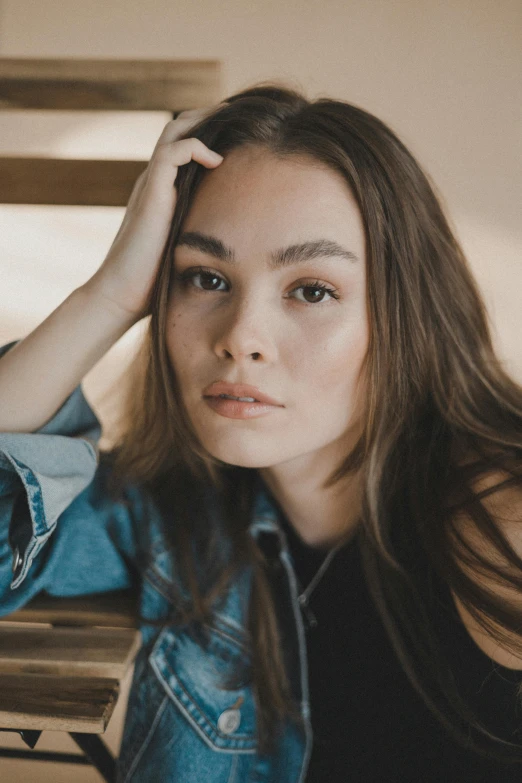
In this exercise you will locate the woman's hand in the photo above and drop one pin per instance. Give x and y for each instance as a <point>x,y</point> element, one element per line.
<point>129,270</point>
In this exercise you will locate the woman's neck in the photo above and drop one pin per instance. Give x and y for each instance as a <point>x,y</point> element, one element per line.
<point>321,517</point>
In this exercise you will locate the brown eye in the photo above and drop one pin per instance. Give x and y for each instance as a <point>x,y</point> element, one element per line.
<point>209,282</point>
<point>200,279</point>
<point>315,293</point>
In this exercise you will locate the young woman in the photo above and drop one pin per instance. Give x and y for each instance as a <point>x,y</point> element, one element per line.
<point>316,487</point>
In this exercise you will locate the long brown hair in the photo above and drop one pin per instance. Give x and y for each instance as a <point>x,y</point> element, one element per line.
<point>441,416</point>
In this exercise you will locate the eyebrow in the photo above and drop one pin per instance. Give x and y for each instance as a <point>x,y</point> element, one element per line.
<point>286,256</point>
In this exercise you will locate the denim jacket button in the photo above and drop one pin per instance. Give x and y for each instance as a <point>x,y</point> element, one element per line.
<point>17,560</point>
<point>228,721</point>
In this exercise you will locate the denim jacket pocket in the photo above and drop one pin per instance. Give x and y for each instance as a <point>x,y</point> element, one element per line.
<point>194,676</point>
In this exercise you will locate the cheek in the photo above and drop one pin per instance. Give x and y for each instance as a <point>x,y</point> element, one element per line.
<point>181,338</point>
<point>329,360</point>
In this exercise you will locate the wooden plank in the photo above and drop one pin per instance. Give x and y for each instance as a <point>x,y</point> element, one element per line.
<point>89,84</point>
<point>105,183</point>
<point>117,609</point>
<point>49,703</point>
<point>69,652</point>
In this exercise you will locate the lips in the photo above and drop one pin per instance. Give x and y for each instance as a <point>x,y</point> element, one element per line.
<point>239,390</point>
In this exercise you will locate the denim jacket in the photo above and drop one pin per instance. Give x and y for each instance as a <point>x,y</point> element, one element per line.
<point>62,534</point>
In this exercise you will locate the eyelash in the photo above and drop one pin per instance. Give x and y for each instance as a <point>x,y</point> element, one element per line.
<point>189,274</point>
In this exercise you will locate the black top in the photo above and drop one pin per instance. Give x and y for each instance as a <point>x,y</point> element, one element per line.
<point>369,723</point>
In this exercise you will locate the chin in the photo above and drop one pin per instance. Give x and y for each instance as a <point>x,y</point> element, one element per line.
<point>242,456</point>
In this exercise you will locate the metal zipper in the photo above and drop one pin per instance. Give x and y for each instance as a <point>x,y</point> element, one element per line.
<point>305,698</point>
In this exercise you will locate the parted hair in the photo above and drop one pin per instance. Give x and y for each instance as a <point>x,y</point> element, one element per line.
<point>440,452</point>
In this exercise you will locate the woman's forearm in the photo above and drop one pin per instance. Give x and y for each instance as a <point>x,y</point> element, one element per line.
<point>40,372</point>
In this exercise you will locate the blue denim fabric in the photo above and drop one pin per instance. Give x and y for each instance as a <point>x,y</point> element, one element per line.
<point>66,537</point>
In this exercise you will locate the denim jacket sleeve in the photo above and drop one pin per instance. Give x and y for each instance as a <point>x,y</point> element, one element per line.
<point>59,529</point>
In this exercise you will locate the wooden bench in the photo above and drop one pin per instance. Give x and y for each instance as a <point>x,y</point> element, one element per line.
<point>61,664</point>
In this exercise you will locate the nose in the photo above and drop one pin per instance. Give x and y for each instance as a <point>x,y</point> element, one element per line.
<point>246,333</point>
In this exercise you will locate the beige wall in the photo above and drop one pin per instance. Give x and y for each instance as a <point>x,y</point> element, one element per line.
<point>445,75</point>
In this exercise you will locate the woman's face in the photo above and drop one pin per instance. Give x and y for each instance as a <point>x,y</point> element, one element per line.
<point>236,316</point>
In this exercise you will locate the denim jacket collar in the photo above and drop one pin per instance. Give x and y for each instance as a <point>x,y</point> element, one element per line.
<point>265,528</point>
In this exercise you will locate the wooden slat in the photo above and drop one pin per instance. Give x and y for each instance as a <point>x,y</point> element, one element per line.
<point>45,702</point>
<point>117,609</point>
<point>86,652</point>
<point>106,183</point>
<point>141,85</point>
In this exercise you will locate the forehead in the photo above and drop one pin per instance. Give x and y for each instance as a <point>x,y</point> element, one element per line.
<point>256,196</point>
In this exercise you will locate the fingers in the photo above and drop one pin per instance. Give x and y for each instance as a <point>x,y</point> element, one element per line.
<point>182,123</point>
<point>163,167</point>
<point>170,153</point>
